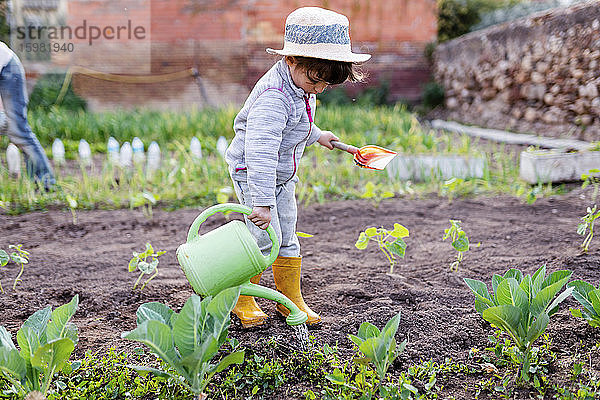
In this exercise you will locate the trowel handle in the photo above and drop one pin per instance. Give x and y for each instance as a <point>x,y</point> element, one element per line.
<point>193,232</point>
<point>346,147</point>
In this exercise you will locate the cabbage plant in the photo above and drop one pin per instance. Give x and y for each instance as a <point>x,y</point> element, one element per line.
<point>589,297</point>
<point>187,341</point>
<point>47,339</point>
<point>521,305</point>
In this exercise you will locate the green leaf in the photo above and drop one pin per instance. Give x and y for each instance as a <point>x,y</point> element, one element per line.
<point>220,307</point>
<point>553,307</point>
<point>367,330</point>
<point>399,231</point>
<point>370,232</point>
<point>362,242</point>
<point>478,287</point>
<point>397,247</point>
<point>557,276</point>
<point>148,267</point>
<point>527,286</point>
<point>154,311</point>
<point>509,292</point>
<point>515,274</point>
<point>5,339</point>
<point>505,317</point>
<point>336,377</point>
<point>142,370</point>
<point>545,296</point>
<point>304,235</point>
<point>12,364</point>
<point>232,358</point>
<point>38,320</point>
<point>60,316</point>
<point>4,258</point>
<point>595,300</point>
<point>189,327</point>
<point>52,356</point>
<point>28,341</point>
<point>157,336</point>
<point>133,263</point>
<point>391,327</point>
<point>462,242</point>
<point>538,327</point>
<point>582,228</point>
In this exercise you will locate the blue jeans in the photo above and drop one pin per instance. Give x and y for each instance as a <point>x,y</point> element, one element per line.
<point>14,100</point>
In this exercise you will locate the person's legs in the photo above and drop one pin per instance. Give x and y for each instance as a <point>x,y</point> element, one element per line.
<point>14,99</point>
<point>287,267</point>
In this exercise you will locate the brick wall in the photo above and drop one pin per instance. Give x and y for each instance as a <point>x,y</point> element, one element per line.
<point>226,41</point>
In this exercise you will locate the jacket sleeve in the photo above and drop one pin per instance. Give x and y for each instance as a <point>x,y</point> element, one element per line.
<point>266,121</point>
<point>315,134</point>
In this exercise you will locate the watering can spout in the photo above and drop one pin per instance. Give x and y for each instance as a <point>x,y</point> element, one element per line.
<point>229,256</point>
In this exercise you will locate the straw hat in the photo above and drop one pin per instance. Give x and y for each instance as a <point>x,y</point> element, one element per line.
<point>318,33</point>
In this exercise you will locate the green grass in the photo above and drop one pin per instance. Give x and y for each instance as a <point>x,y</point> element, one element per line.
<point>182,181</point>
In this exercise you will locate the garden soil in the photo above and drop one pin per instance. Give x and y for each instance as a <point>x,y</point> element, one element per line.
<point>346,286</point>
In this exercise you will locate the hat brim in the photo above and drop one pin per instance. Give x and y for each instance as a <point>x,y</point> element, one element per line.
<point>345,56</point>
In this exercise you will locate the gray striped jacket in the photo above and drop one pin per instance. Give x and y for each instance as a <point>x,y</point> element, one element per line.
<point>271,131</point>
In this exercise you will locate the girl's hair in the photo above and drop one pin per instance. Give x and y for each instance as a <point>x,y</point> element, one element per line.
<point>332,72</point>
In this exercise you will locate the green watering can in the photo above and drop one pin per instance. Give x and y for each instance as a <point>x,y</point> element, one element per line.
<point>229,256</point>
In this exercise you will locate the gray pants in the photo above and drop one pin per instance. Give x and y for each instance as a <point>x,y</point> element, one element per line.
<point>283,218</point>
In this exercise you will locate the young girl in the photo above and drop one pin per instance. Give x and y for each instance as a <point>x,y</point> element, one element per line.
<point>271,132</point>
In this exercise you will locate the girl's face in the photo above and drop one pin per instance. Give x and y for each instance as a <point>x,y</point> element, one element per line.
<point>302,81</point>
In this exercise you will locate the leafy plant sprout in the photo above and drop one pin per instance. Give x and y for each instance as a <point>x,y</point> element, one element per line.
<point>376,192</point>
<point>4,259</point>
<point>521,305</point>
<point>450,187</point>
<point>72,203</point>
<point>589,297</point>
<point>591,178</point>
<point>146,262</point>
<point>588,226</point>
<point>460,241</point>
<point>20,257</point>
<point>391,243</point>
<point>145,200</point>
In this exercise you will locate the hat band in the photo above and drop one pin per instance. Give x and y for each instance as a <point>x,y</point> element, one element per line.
<point>315,34</point>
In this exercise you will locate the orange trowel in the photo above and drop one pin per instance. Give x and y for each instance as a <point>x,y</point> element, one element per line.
<point>370,156</point>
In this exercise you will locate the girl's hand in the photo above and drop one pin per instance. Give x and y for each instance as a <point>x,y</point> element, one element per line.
<point>261,216</point>
<point>326,138</point>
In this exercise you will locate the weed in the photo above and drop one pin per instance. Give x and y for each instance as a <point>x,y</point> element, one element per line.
<point>591,178</point>
<point>589,297</point>
<point>20,257</point>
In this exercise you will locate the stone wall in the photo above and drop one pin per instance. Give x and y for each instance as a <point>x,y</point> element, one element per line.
<point>539,74</point>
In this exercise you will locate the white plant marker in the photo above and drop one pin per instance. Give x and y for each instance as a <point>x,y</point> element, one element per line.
<point>137,147</point>
<point>126,155</point>
<point>112,150</point>
<point>222,145</point>
<point>85,153</point>
<point>153,158</point>
<point>196,148</point>
<point>58,151</point>
<point>13,158</point>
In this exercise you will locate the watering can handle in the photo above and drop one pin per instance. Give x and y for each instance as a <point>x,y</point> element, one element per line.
<point>193,232</point>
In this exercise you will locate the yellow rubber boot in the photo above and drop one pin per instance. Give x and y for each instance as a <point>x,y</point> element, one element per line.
<point>286,272</point>
<point>248,311</point>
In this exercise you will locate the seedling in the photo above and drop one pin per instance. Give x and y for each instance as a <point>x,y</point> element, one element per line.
<point>588,226</point>
<point>20,257</point>
<point>376,192</point>
<point>450,187</point>
<point>187,341</point>
<point>378,347</point>
<point>389,242</point>
<point>72,203</point>
<point>521,306</point>
<point>589,297</point>
<point>144,200</point>
<point>146,262</point>
<point>460,241</point>
<point>591,178</point>
<point>47,339</point>
<point>4,259</point>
